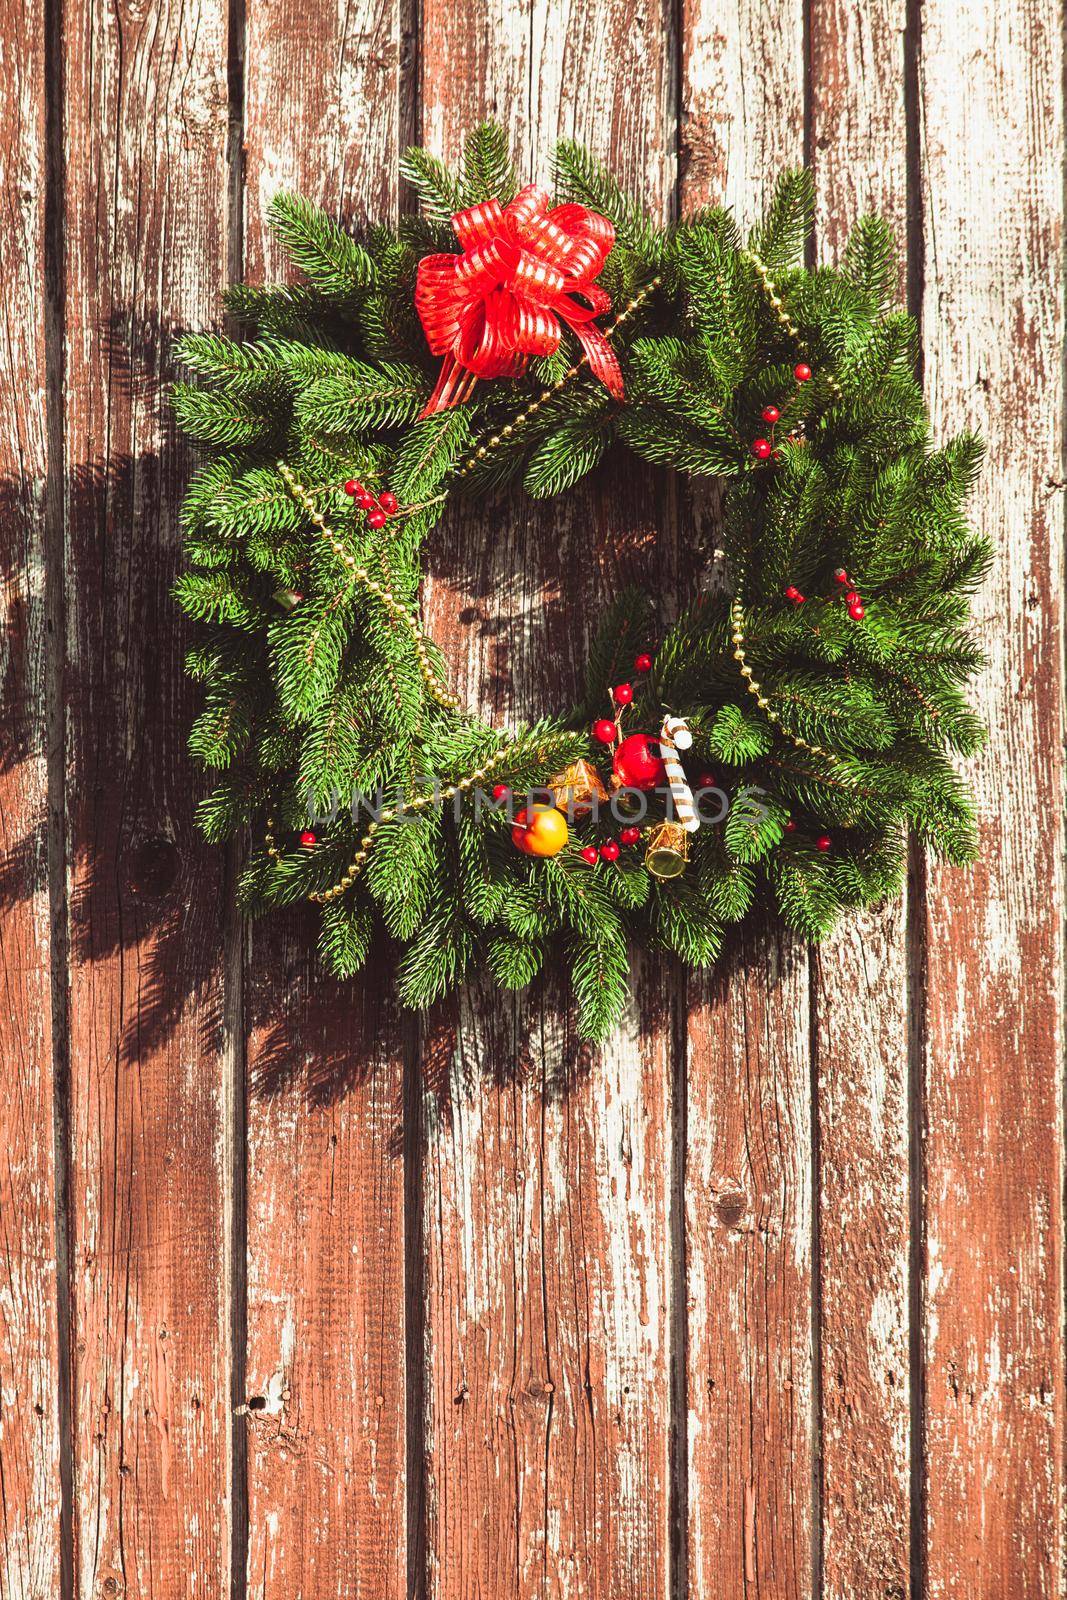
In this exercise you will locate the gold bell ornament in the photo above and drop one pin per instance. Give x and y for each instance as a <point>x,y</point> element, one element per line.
<point>667,850</point>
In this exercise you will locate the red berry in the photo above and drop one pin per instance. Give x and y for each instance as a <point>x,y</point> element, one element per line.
<point>790,826</point>
<point>802,372</point>
<point>792,592</point>
<point>308,839</point>
<point>500,791</point>
<point>377,519</point>
<point>388,502</point>
<point>609,851</point>
<point>761,448</point>
<point>622,693</point>
<point>852,598</point>
<point>353,486</point>
<point>770,413</point>
<point>591,854</point>
<point>605,731</point>
<point>643,663</point>
<point>630,835</point>
<point>842,576</point>
<point>856,611</point>
<point>823,842</point>
<point>707,780</point>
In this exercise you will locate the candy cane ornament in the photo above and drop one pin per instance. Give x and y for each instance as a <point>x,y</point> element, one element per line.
<point>675,736</point>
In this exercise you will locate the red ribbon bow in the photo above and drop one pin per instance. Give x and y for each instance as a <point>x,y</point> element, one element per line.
<point>500,302</point>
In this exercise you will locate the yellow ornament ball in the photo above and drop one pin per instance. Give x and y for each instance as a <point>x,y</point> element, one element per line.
<point>540,830</point>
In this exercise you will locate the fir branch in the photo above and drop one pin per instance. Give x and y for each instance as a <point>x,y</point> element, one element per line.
<point>487,170</point>
<point>334,264</point>
<point>437,189</point>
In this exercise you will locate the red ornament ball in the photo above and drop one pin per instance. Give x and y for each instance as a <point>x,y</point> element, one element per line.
<point>790,826</point>
<point>761,448</point>
<point>630,835</point>
<point>643,663</point>
<point>605,730</point>
<point>823,842</point>
<point>770,413</point>
<point>376,518</point>
<point>802,372</point>
<point>609,850</point>
<point>793,593</point>
<point>309,839</point>
<point>623,693</point>
<point>388,502</point>
<point>707,780</point>
<point>842,576</point>
<point>856,611</point>
<point>353,486</point>
<point>591,854</point>
<point>852,598</point>
<point>501,791</point>
<point>637,765</point>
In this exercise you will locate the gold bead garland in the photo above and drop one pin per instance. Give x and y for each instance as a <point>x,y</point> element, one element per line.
<point>778,307</point>
<point>480,453</point>
<point>360,575</point>
<point>737,617</point>
<point>421,803</point>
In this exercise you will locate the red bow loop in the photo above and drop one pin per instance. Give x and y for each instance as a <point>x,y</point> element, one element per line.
<point>524,269</point>
<point>478,224</point>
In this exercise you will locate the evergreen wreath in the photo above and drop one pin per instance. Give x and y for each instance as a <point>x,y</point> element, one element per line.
<point>822,691</point>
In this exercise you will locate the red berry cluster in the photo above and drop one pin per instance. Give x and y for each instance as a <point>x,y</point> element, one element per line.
<point>610,850</point>
<point>379,508</point>
<point>605,729</point>
<point>853,599</point>
<point>764,448</point>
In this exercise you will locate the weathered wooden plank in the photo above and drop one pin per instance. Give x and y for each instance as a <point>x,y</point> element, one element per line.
<point>30,1556</point>
<point>748,1166</point>
<point>860,975</point>
<point>992,123</point>
<point>546,1165</point>
<point>326,1342</point>
<point>145,124</point>
<point>864,1420</point>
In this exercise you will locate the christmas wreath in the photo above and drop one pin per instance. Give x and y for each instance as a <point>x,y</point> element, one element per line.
<point>774,745</point>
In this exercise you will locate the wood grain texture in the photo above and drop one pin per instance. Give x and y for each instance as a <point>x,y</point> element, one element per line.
<point>30,1557</point>
<point>325,1178</point>
<point>145,125</point>
<point>748,1150</point>
<point>992,124</point>
<point>749,1276</point>
<point>546,1166</point>
<point>860,975</point>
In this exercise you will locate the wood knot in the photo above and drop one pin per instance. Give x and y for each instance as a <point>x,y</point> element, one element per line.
<point>730,1206</point>
<point>153,866</point>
